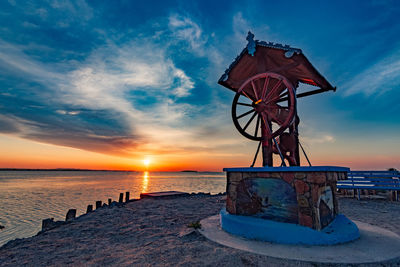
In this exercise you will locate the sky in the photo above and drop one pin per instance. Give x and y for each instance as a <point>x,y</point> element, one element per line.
<point>108,84</point>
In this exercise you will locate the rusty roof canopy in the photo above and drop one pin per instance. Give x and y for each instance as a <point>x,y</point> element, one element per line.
<point>259,57</point>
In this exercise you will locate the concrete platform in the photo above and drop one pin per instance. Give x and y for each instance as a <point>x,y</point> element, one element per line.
<point>163,194</point>
<point>374,245</point>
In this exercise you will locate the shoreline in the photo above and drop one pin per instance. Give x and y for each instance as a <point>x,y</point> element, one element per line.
<point>154,232</point>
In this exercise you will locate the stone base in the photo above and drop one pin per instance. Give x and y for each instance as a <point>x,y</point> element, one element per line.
<point>295,195</point>
<point>340,230</point>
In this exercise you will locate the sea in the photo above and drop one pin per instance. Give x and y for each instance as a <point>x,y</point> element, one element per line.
<point>28,197</point>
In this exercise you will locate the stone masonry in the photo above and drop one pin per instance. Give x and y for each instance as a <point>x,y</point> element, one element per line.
<point>308,187</point>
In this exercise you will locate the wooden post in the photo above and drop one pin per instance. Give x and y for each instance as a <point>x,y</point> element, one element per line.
<point>98,204</point>
<point>121,197</point>
<point>71,214</point>
<point>47,224</point>
<point>89,208</point>
<point>126,196</point>
<point>266,147</point>
<point>109,201</point>
<point>294,129</point>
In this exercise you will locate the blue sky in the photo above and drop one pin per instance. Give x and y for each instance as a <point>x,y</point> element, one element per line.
<point>135,78</point>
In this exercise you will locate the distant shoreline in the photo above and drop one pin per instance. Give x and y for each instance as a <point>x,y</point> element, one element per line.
<point>64,169</point>
<point>87,170</point>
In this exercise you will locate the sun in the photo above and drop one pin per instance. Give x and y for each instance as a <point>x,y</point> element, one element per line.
<point>146,162</point>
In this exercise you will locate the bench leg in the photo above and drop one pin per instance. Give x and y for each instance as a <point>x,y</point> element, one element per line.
<point>358,194</point>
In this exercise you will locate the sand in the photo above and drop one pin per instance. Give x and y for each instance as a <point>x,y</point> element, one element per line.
<point>154,232</point>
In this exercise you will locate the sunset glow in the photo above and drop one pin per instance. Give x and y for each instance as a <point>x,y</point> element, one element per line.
<point>74,94</point>
<point>146,162</point>
<point>145,181</point>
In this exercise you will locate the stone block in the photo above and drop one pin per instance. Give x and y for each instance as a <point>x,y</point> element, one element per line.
<point>302,202</point>
<point>315,194</point>
<point>301,187</point>
<point>252,175</point>
<point>300,175</point>
<point>269,174</point>
<point>230,206</point>
<point>288,177</point>
<point>235,177</point>
<point>305,220</point>
<point>317,222</point>
<point>331,176</point>
<point>232,191</point>
<point>306,211</point>
<point>316,178</point>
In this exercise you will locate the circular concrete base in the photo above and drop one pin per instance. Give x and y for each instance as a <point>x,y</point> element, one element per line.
<point>340,230</point>
<point>374,245</point>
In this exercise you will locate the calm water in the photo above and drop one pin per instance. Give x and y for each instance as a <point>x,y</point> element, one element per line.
<point>27,197</point>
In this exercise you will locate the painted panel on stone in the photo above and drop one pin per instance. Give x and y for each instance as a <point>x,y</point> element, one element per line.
<point>272,199</point>
<point>325,206</point>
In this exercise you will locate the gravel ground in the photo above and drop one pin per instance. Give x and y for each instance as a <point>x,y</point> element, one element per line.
<point>154,232</point>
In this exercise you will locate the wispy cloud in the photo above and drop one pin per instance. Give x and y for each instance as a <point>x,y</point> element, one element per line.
<point>377,79</point>
<point>13,58</point>
<point>185,28</point>
<point>240,25</point>
<point>310,135</point>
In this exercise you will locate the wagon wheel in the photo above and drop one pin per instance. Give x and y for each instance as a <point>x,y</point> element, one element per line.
<point>265,99</point>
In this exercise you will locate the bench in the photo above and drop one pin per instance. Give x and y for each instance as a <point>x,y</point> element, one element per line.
<point>371,180</point>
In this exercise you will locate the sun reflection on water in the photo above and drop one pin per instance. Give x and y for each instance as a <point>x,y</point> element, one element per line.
<point>145,181</point>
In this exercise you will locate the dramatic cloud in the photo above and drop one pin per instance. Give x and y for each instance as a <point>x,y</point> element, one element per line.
<point>129,79</point>
<point>113,78</point>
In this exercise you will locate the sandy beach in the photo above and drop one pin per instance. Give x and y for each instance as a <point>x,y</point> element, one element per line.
<point>154,232</point>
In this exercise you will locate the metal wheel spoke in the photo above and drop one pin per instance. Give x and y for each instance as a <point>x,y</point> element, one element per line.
<point>264,91</point>
<point>245,114</point>
<point>257,125</point>
<point>273,89</point>
<point>254,90</point>
<point>244,104</point>
<point>277,107</point>
<point>276,99</point>
<point>282,107</point>
<point>248,123</point>
<point>247,95</point>
<point>284,94</point>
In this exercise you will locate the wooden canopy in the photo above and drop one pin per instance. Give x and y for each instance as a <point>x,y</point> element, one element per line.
<point>259,57</point>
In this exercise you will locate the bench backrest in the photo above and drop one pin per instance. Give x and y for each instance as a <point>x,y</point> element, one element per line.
<point>385,180</point>
<point>373,174</point>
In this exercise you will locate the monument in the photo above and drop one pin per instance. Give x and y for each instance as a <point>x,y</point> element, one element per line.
<point>287,203</point>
